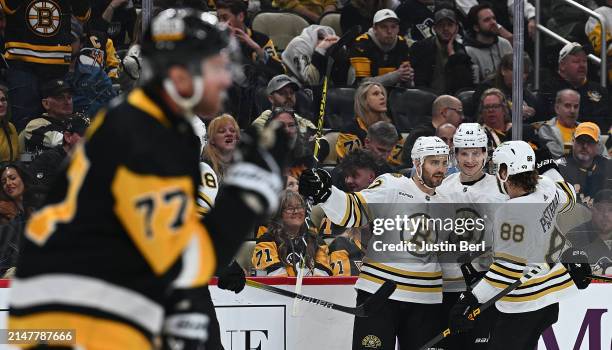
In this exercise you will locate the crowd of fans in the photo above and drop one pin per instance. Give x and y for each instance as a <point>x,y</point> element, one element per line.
<point>58,72</point>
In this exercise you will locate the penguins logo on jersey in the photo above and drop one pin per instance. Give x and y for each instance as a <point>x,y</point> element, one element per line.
<point>371,342</point>
<point>43,17</point>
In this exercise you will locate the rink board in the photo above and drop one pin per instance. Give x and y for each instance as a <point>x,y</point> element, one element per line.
<point>256,319</point>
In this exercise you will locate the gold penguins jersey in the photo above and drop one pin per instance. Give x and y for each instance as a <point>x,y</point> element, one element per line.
<point>353,137</point>
<point>208,189</point>
<point>38,31</point>
<point>267,256</point>
<point>346,256</point>
<point>417,273</point>
<point>474,199</point>
<point>524,236</point>
<point>119,230</point>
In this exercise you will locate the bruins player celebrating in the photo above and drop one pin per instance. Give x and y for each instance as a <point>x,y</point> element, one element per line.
<point>411,314</point>
<point>118,251</point>
<point>524,237</point>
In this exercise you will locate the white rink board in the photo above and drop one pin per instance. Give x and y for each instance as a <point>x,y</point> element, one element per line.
<point>265,318</point>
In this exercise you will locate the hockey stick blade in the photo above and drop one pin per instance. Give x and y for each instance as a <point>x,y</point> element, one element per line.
<point>360,311</point>
<point>447,332</point>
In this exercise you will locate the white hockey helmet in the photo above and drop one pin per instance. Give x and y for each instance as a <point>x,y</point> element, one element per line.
<point>470,135</point>
<point>428,146</point>
<point>517,155</point>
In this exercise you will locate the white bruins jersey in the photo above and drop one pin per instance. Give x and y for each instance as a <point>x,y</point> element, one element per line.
<point>525,236</point>
<point>208,189</point>
<point>417,273</point>
<point>473,200</point>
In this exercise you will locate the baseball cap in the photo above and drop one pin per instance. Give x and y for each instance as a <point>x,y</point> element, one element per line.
<point>445,14</point>
<point>384,14</point>
<point>279,81</point>
<point>570,49</point>
<point>589,129</point>
<point>77,124</point>
<point>54,87</point>
<point>604,195</point>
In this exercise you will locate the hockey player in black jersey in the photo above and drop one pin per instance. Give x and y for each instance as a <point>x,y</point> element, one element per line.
<point>118,251</point>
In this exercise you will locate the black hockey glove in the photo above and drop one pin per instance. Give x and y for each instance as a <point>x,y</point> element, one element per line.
<point>315,183</point>
<point>461,318</point>
<point>544,160</point>
<point>186,322</point>
<point>260,160</point>
<point>576,261</point>
<point>232,278</point>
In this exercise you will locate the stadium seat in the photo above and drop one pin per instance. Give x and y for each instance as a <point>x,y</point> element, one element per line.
<point>281,27</point>
<point>340,107</point>
<point>410,107</point>
<point>332,19</point>
<point>469,109</point>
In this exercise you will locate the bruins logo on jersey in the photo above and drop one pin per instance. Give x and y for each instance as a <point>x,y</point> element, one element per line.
<point>43,17</point>
<point>371,342</point>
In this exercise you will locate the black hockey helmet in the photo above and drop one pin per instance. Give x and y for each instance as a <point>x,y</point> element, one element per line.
<point>181,36</point>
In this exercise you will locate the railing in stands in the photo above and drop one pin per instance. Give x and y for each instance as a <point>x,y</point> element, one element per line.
<point>541,28</point>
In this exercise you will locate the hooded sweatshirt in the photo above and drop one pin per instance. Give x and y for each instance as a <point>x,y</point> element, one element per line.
<point>486,57</point>
<point>302,57</point>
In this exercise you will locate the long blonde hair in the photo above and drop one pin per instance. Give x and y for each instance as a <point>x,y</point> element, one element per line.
<point>210,153</point>
<point>362,110</point>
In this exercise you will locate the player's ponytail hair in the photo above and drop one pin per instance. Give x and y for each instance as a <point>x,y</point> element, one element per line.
<point>210,153</point>
<point>283,241</point>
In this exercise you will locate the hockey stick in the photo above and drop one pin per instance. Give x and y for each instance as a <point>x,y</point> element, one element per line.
<point>477,311</point>
<point>363,310</point>
<point>600,278</point>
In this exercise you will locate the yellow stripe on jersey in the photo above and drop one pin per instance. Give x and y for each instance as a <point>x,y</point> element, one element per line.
<point>496,284</point>
<point>15,57</point>
<point>42,223</point>
<point>265,255</point>
<point>206,199</point>
<point>423,289</point>
<point>347,213</point>
<point>356,211</point>
<point>571,198</point>
<point>95,124</point>
<point>159,215</point>
<point>44,48</point>
<point>362,66</point>
<point>363,206</point>
<point>7,10</point>
<point>533,281</point>
<point>409,274</point>
<point>511,258</point>
<point>91,332</point>
<point>139,99</point>
<point>505,272</point>
<point>385,70</point>
<point>542,293</point>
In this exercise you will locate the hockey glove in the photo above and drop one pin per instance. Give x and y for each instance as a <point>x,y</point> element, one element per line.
<point>186,322</point>
<point>315,183</point>
<point>461,314</point>
<point>577,264</point>
<point>544,160</point>
<point>232,278</point>
<point>259,164</point>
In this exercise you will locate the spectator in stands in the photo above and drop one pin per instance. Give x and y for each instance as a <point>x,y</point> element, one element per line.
<point>115,17</point>
<point>416,19</point>
<point>502,80</point>
<point>358,170</point>
<point>258,55</point>
<point>288,242</point>
<point>47,131</point>
<point>370,107</point>
<point>9,143</point>
<point>46,166</point>
<point>446,132</point>
<point>381,141</point>
<point>586,168</point>
<point>573,70</point>
<point>19,198</point>
<point>484,42</point>
<point>48,55</point>
<point>494,115</point>
<point>347,250</point>
<point>281,92</point>
<point>595,236</point>
<point>593,31</point>
<point>445,109</point>
<point>381,54</point>
<point>311,9</point>
<point>223,136</point>
<point>558,133</point>
<point>504,13</point>
<point>440,62</point>
<point>292,183</point>
<point>361,12</point>
<point>305,57</point>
